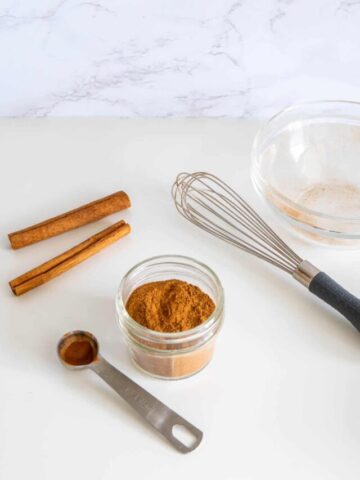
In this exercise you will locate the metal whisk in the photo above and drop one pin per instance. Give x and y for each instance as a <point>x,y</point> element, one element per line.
<point>208,202</point>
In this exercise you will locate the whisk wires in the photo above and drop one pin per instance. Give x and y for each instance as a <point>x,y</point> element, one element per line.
<point>209,203</point>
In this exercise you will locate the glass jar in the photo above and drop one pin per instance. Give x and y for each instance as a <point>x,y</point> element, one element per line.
<point>177,354</point>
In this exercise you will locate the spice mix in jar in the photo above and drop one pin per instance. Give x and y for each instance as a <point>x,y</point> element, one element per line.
<point>170,311</point>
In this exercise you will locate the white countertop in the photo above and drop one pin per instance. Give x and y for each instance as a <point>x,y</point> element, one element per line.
<point>280,400</point>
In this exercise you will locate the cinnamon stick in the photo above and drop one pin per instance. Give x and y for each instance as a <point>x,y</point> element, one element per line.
<point>63,262</point>
<point>68,221</point>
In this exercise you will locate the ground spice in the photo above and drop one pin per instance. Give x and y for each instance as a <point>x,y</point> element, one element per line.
<point>79,352</point>
<point>172,307</point>
<point>169,306</point>
<point>332,199</point>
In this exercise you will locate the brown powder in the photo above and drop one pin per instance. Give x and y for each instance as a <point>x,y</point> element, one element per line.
<point>333,199</point>
<point>79,352</point>
<point>169,306</point>
<point>180,365</point>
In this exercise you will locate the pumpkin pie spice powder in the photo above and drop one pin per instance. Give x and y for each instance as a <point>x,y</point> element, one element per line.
<point>171,306</point>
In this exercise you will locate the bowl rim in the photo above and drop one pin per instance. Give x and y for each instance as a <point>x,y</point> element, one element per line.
<point>299,105</point>
<point>259,182</point>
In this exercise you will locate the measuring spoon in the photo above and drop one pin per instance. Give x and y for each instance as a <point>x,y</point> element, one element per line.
<point>80,349</point>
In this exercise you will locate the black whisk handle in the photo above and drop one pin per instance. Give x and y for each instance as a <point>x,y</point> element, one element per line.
<point>335,295</point>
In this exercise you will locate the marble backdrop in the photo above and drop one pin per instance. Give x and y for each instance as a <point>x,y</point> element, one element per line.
<point>133,58</point>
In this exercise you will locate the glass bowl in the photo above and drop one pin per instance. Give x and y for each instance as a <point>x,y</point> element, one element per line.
<point>171,355</point>
<point>306,165</point>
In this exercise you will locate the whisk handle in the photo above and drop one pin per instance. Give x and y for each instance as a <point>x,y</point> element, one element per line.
<point>335,295</point>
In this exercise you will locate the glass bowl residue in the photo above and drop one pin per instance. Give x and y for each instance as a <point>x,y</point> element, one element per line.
<point>306,165</point>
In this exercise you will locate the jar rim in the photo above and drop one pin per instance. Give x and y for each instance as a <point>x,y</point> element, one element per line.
<point>172,337</point>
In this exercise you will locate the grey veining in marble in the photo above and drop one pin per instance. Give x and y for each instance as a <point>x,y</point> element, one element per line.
<point>175,58</point>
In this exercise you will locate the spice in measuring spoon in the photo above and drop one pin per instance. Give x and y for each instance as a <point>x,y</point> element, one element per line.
<point>169,306</point>
<point>80,352</point>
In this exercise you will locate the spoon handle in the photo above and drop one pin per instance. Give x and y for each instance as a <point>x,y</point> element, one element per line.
<point>161,417</point>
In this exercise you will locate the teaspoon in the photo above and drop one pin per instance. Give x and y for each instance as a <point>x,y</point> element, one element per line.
<point>80,349</point>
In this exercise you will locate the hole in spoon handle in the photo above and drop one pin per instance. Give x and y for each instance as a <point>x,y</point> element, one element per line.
<point>184,436</point>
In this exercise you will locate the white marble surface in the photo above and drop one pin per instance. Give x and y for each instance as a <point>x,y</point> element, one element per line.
<point>180,58</point>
